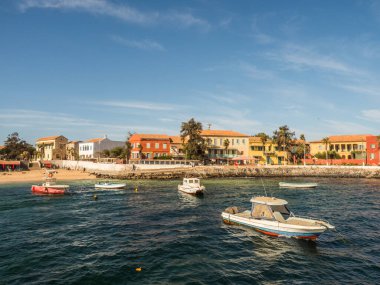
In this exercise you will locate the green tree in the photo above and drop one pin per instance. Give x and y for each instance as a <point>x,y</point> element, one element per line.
<point>226,144</point>
<point>16,148</point>
<point>141,151</point>
<point>326,142</point>
<point>195,146</point>
<point>117,152</point>
<point>128,147</point>
<point>284,138</point>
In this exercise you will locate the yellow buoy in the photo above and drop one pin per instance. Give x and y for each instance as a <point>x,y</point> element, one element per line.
<point>95,197</point>
<point>136,189</point>
<point>138,269</point>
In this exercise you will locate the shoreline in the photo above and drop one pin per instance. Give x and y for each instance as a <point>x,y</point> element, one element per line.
<point>38,176</point>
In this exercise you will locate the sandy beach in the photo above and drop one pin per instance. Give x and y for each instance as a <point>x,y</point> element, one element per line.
<point>38,176</point>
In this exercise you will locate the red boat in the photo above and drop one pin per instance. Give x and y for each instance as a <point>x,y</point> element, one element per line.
<point>50,186</point>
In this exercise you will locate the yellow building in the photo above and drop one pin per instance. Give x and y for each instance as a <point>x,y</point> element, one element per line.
<point>347,146</point>
<point>50,148</point>
<point>267,153</point>
<point>224,145</point>
<point>72,150</point>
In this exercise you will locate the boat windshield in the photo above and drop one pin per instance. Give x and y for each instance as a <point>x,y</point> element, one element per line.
<point>282,209</point>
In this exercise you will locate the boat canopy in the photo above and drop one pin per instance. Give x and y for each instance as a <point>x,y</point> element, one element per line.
<point>271,201</point>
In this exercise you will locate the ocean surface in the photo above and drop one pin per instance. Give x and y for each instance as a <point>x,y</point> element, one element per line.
<point>179,239</point>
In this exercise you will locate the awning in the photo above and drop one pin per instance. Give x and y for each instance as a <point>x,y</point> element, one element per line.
<point>242,157</point>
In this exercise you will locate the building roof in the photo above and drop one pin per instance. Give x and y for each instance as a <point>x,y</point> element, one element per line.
<point>176,140</point>
<point>94,140</point>
<point>346,138</point>
<point>74,142</point>
<point>47,138</point>
<point>1,146</point>
<point>222,133</point>
<point>149,137</point>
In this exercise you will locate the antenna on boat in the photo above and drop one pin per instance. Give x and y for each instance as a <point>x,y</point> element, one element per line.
<point>262,182</point>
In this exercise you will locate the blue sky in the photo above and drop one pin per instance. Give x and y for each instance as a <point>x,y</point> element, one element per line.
<point>86,68</point>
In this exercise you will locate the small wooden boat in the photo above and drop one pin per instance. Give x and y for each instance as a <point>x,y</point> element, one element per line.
<point>271,216</point>
<point>50,185</point>
<point>108,185</point>
<point>191,186</point>
<point>297,185</point>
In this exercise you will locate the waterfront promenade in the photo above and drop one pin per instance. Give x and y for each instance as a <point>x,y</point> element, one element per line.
<point>245,171</point>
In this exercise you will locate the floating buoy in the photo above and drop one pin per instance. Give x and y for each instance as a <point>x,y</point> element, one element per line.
<point>136,189</point>
<point>138,269</point>
<point>95,197</point>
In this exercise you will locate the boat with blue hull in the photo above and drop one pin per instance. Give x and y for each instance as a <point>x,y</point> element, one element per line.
<point>271,216</point>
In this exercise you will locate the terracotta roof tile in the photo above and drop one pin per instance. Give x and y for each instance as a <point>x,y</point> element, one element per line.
<point>176,139</point>
<point>1,146</point>
<point>149,136</point>
<point>222,133</point>
<point>47,138</point>
<point>346,138</point>
<point>94,140</point>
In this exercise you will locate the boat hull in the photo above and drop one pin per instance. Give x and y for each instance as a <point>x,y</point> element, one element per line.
<point>196,191</point>
<point>297,185</point>
<point>110,186</point>
<point>274,228</point>
<point>49,190</point>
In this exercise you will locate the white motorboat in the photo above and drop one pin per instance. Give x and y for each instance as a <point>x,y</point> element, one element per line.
<point>297,185</point>
<point>272,217</point>
<point>191,186</point>
<point>108,185</point>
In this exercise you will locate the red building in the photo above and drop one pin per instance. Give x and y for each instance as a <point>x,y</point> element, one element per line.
<point>149,146</point>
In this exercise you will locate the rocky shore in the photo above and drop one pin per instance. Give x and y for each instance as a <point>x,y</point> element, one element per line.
<point>246,171</point>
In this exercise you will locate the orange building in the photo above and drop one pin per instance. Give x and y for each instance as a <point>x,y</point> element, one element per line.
<point>149,146</point>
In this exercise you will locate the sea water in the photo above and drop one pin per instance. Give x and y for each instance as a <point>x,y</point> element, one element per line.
<point>180,239</point>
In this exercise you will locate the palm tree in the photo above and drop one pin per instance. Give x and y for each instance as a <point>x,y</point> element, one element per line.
<point>284,139</point>
<point>140,151</point>
<point>195,146</point>
<point>326,141</point>
<point>226,144</point>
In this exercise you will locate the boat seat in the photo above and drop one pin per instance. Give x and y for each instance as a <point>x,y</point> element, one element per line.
<point>278,216</point>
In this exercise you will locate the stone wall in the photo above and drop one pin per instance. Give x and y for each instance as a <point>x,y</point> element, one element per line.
<point>251,171</point>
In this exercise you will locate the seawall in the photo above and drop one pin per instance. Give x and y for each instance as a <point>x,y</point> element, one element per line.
<point>246,171</point>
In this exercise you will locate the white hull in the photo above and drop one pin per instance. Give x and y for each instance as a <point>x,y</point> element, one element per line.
<point>275,228</point>
<point>297,185</point>
<point>191,190</point>
<point>110,186</point>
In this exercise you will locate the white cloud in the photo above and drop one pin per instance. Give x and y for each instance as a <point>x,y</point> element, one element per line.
<point>99,7</point>
<point>138,105</point>
<point>119,11</point>
<point>142,44</point>
<point>371,115</point>
<point>367,90</point>
<point>345,127</point>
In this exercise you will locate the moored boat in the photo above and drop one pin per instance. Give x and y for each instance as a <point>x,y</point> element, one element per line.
<point>271,216</point>
<point>297,185</point>
<point>191,186</point>
<point>108,185</point>
<point>50,185</point>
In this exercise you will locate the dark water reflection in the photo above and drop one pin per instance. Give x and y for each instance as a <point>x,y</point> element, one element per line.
<point>177,238</point>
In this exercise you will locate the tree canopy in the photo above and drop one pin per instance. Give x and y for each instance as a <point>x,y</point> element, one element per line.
<point>16,148</point>
<point>195,146</point>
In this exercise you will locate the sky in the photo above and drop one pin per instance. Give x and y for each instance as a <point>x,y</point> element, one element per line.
<point>89,68</point>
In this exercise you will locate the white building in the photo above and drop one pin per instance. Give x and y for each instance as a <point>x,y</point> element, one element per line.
<point>92,148</point>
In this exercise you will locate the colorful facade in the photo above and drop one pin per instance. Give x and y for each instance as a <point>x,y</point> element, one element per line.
<point>266,153</point>
<point>150,146</point>
<point>72,150</point>
<point>217,148</point>
<point>363,149</point>
<point>176,147</point>
<point>53,147</point>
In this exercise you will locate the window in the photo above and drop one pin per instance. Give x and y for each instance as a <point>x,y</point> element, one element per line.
<point>215,142</point>
<point>156,145</point>
<point>220,141</point>
<point>237,141</point>
<point>243,141</point>
<point>372,156</point>
<point>232,140</point>
<point>147,145</point>
<point>164,145</point>
<point>373,146</point>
